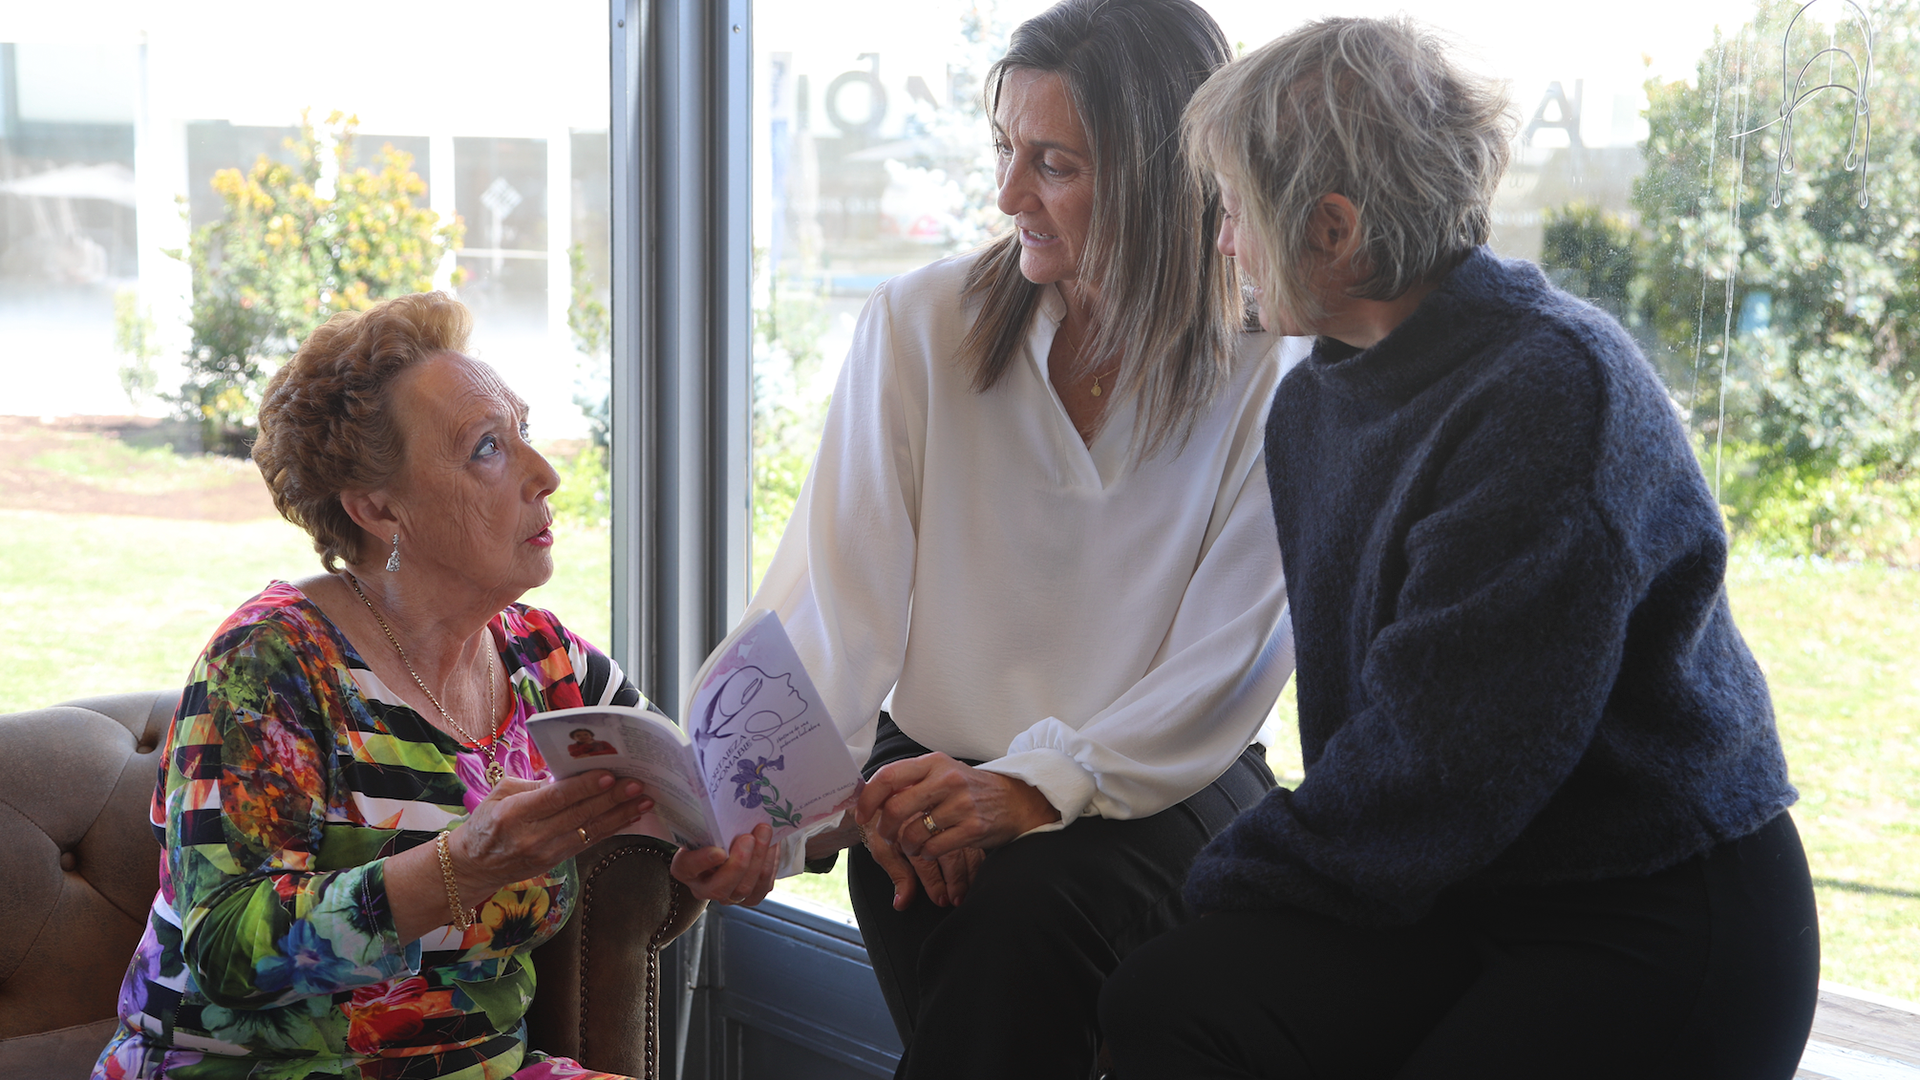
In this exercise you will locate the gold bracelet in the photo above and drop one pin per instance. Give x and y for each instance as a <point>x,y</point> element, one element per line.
<point>462,918</point>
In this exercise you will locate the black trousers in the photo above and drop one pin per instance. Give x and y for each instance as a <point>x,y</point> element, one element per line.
<point>1005,984</point>
<point>1706,971</point>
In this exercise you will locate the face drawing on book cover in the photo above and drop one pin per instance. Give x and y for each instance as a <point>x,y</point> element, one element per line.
<point>753,703</point>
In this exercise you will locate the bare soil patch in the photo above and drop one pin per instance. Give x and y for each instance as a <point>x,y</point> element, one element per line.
<point>38,471</point>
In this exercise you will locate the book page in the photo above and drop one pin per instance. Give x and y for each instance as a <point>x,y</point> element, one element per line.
<point>767,750</point>
<point>634,743</point>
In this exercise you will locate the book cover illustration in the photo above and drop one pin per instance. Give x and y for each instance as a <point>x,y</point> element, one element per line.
<point>753,720</point>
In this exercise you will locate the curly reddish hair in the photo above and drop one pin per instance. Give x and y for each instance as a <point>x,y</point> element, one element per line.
<point>325,422</point>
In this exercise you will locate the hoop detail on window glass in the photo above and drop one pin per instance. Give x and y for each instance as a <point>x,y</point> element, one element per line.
<point>1795,93</point>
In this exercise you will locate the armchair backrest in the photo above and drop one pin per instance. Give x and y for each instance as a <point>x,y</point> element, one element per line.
<point>78,870</point>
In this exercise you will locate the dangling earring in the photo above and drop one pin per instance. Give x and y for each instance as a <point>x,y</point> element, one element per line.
<point>393,560</point>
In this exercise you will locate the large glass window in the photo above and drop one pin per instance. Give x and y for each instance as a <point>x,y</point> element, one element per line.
<point>132,520</point>
<point>871,157</point>
<point>1644,173</point>
<point>1645,178</point>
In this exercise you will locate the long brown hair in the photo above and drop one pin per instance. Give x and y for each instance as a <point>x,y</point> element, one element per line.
<point>1168,305</point>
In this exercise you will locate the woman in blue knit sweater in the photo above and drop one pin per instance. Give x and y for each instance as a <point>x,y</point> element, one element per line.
<point>1543,828</point>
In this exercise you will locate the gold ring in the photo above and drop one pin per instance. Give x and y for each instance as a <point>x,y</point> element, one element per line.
<point>584,838</point>
<point>927,820</point>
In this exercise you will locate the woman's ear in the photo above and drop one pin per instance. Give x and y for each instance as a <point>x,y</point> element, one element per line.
<point>373,511</point>
<point>1335,231</point>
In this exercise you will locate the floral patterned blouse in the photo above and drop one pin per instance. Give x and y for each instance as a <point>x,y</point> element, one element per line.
<point>290,773</point>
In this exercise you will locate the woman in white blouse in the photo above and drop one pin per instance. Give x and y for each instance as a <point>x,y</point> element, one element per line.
<point>1039,521</point>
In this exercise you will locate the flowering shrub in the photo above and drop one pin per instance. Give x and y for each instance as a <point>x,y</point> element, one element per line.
<point>299,242</point>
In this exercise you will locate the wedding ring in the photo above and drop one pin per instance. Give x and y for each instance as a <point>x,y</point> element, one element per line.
<point>927,820</point>
<point>584,838</point>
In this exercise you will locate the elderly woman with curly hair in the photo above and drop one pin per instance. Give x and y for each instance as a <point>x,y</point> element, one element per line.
<point>360,845</point>
<point>1543,828</point>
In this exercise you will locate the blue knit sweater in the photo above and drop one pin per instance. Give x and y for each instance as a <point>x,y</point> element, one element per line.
<point>1516,660</point>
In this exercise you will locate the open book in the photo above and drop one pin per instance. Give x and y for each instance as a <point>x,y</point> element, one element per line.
<point>758,746</point>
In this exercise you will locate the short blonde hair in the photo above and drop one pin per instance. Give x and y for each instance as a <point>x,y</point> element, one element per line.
<point>1371,109</point>
<point>326,425</point>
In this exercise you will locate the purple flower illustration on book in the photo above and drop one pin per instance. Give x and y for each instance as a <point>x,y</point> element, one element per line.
<point>751,778</point>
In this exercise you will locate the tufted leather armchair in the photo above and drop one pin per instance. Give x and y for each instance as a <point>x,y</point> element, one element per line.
<point>78,870</point>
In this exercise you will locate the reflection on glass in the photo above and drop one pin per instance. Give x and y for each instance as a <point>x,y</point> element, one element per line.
<point>1697,168</point>
<point>871,157</point>
<point>122,363</point>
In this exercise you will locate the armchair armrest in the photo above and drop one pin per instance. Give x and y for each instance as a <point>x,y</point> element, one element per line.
<point>598,1000</point>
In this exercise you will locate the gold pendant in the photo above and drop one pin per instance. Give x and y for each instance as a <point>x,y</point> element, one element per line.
<point>1096,388</point>
<point>495,774</point>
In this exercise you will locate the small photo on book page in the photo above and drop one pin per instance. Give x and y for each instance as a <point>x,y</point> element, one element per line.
<point>634,743</point>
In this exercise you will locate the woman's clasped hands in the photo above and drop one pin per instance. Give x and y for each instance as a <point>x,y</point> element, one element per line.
<point>929,822</point>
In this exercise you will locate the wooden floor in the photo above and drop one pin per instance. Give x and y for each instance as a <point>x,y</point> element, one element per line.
<point>1862,1036</point>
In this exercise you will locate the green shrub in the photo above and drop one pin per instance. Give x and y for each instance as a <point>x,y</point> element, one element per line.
<point>1786,507</point>
<point>1590,253</point>
<point>584,494</point>
<point>134,336</point>
<point>591,325</point>
<point>789,406</point>
<point>1802,295</point>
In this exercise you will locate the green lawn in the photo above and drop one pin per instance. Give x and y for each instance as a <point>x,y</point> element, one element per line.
<point>1838,644</point>
<point>1841,648</point>
<point>123,603</point>
<point>103,603</point>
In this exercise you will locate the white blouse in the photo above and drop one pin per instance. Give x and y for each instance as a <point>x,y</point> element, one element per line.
<point>1112,632</point>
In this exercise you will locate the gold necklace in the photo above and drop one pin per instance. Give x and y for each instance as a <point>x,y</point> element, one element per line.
<point>495,772</point>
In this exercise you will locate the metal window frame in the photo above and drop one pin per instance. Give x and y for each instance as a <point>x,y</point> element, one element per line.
<point>773,990</point>
<point>681,277</point>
